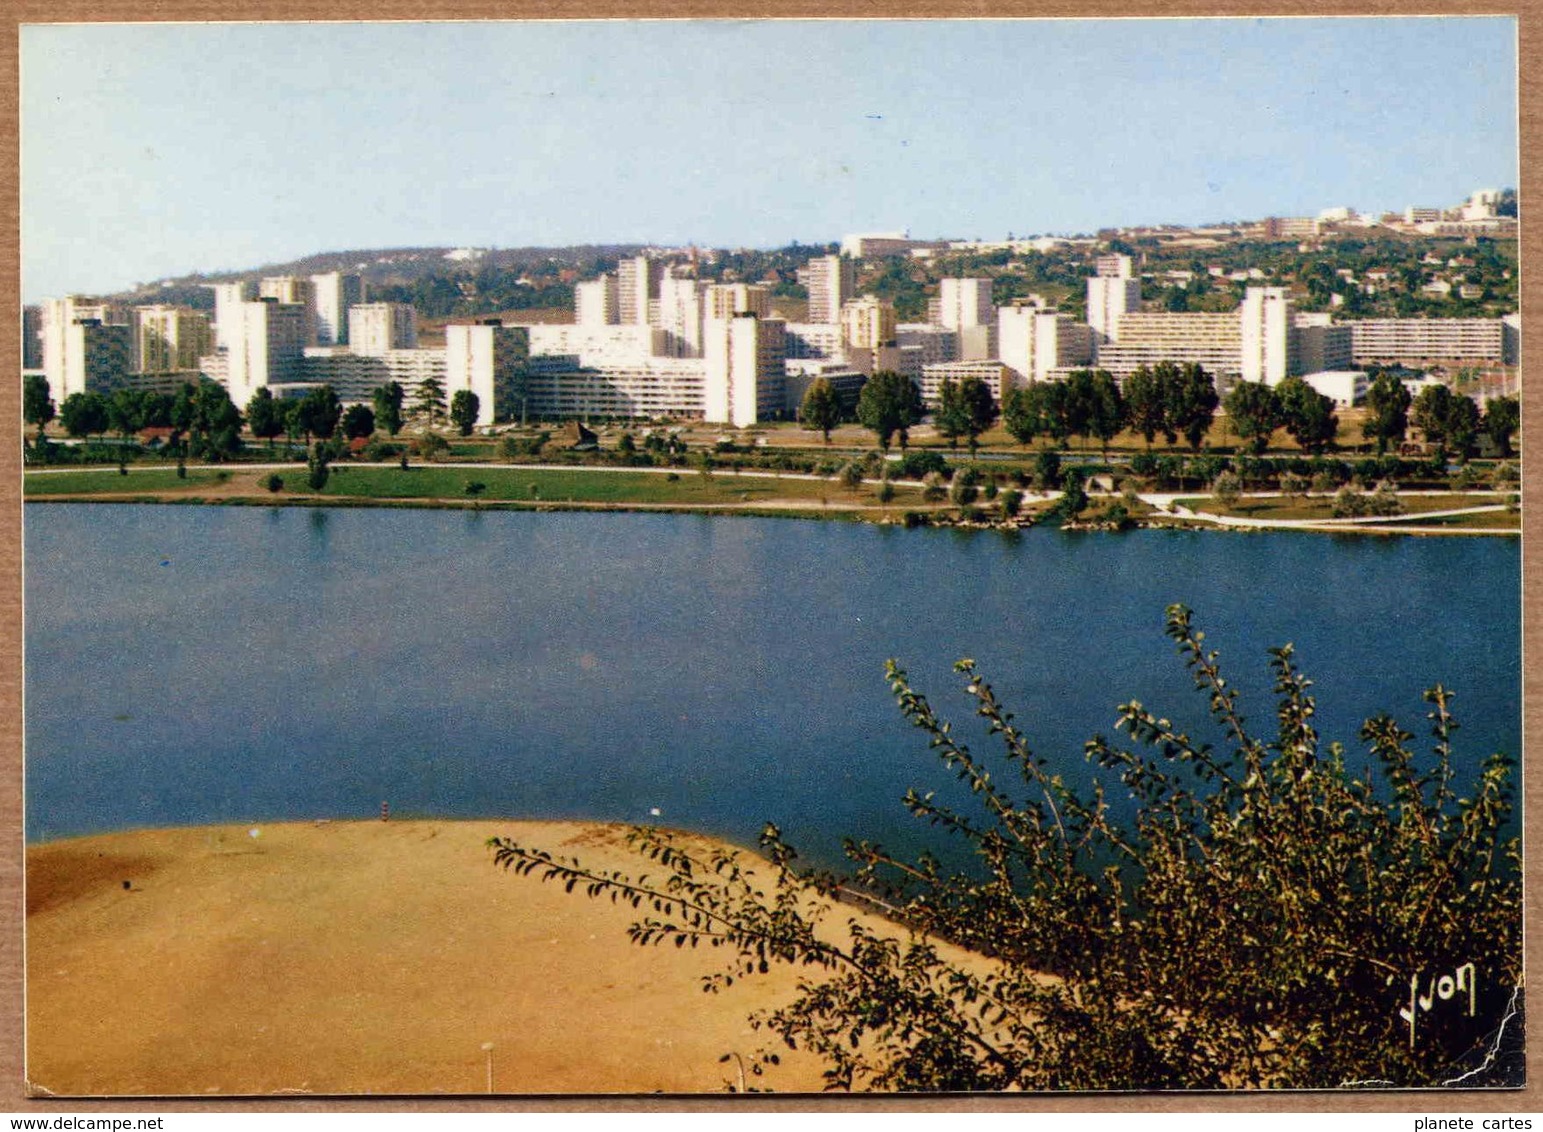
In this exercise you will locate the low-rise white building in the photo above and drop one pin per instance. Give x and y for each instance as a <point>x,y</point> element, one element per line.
<point>1344,387</point>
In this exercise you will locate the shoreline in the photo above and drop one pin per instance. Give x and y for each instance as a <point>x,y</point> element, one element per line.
<point>348,957</point>
<point>860,513</point>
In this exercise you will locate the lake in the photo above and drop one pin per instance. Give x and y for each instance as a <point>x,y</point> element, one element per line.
<point>190,665</point>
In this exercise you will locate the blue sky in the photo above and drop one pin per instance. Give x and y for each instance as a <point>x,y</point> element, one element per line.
<point>158,149</point>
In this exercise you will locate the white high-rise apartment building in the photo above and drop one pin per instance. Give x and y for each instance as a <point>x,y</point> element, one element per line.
<point>963,303</point>
<point>267,341</point>
<point>930,342</point>
<point>596,302</point>
<point>1115,265</point>
<point>334,294</point>
<point>100,356</point>
<point>489,360</point>
<point>31,338</point>
<point>1111,294</point>
<point>637,281</point>
<point>1322,345</point>
<point>227,298</point>
<point>168,339</point>
<point>374,328</point>
<point>1267,343</point>
<point>744,379</point>
<point>831,280</point>
<point>64,368</point>
<point>867,323</point>
<point>1033,341</point>
<point>682,306</point>
<point>292,290</point>
<point>725,300</point>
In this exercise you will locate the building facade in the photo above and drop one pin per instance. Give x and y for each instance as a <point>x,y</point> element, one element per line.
<point>1112,294</point>
<point>831,281</point>
<point>374,328</point>
<point>490,360</point>
<point>334,293</point>
<point>168,339</point>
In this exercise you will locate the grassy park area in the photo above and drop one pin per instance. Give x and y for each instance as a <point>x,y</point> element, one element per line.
<point>720,488</point>
<point>1322,507</point>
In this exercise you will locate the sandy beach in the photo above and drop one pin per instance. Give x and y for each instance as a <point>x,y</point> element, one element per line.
<point>362,957</point>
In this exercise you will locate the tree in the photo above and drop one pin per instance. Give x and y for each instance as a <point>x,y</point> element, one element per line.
<point>1387,411</point>
<point>980,409</point>
<point>889,404</point>
<point>319,412</point>
<point>264,415</point>
<point>1307,415</point>
<point>1429,412</point>
<point>1074,496</point>
<point>1047,470</point>
<point>464,406</point>
<point>1058,411</point>
<point>1021,412</point>
<point>214,422</point>
<point>1105,409</point>
<point>1502,417</point>
<point>951,417</point>
<point>1191,404</point>
<point>387,400</point>
<point>1255,412</point>
<point>126,411</point>
<point>821,408</point>
<point>84,414</point>
<point>1146,400</point>
<point>317,471</point>
<point>431,399</point>
<point>358,422</point>
<point>1227,489</point>
<point>37,405</point>
<point>1079,398</point>
<point>1257,916</point>
<point>1462,426</point>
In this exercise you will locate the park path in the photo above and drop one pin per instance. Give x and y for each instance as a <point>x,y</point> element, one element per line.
<point>1390,524</point>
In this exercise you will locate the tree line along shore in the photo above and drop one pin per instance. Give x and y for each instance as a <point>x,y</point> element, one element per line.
<point>1081,451</point>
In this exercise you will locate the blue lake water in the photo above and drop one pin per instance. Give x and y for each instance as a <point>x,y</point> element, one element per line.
<point>188,665</point>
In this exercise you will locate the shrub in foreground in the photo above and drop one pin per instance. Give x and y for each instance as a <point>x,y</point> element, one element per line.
<point>1269,917</point>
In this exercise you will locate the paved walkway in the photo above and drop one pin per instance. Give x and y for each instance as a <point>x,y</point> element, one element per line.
<point>1389,524</point>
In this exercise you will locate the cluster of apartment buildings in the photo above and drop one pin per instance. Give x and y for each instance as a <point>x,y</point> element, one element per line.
<point>652,340</point>
<point>288,334</point>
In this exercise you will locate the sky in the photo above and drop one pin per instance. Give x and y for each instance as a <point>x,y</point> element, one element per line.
<point>155,150</point>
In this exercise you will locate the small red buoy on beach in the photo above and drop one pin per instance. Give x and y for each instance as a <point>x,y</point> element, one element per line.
<point>385,811</point>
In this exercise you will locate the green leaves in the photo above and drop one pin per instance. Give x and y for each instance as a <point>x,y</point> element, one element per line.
<point>1255,923</point>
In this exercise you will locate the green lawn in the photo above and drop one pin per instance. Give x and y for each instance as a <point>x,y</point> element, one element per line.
<point>1322,507</point>
<point>1487,520</point>
<point>562,486</point>
<point>96,481</point>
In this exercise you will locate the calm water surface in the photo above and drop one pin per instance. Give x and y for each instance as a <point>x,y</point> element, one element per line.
<point>189,665</point>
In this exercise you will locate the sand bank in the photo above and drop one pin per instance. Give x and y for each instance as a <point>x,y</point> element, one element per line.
<point>362,957</point>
